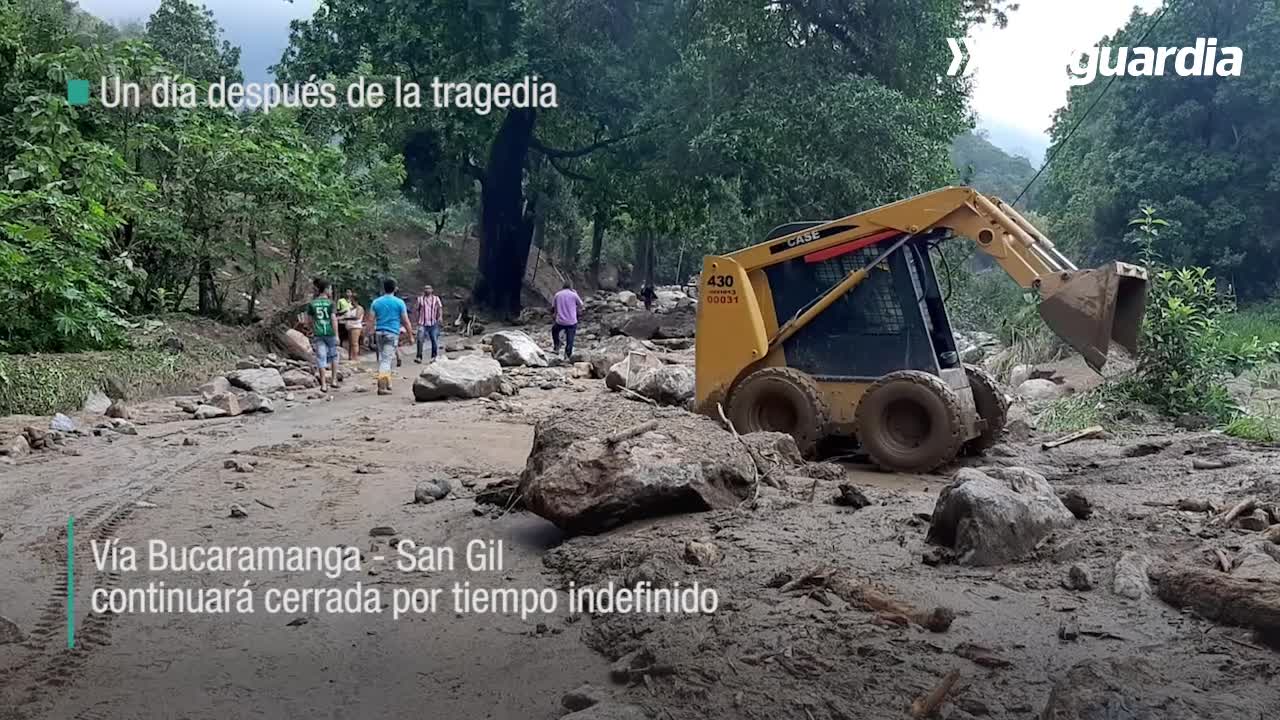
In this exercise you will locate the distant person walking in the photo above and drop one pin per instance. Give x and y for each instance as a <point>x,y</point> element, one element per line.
<point>353,322</point>
<point>428,314</point>
<point>324,333</point>
<point>648,295</point>
<point>391,320</point>
<point>566,304</point>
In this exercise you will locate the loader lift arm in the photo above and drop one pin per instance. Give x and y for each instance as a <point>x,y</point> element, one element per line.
<point>1087,308</point>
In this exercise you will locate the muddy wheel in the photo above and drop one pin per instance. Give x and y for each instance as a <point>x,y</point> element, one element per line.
<point>992,406</point>
<point>909,421</point>
<point>780,399</point>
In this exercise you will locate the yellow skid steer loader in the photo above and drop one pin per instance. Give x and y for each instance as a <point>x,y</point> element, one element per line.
<point>838,327</point>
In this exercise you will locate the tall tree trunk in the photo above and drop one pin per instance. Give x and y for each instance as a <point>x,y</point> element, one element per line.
<point>505,229</point>
<point>598,226</point>
<point>208,298</point>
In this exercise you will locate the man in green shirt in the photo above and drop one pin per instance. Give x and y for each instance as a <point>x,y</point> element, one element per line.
<point>324,333</point>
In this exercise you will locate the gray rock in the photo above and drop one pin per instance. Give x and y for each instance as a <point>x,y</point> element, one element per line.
<point>1019,374</point>
<point>208,412</point>
<point>296,345</point>
<point>625,373</point>
<point>583,697</point>
<point>639,324</point>
<point>702,553</point>
<point>1077,578</point>
<point>299,379</point>
<point>240,466</point>
<point>1259,560</point>
<point>1256,521</point>
<point>10,632</point>
<point>237,511</point>
<point>610,352</point>
<point>668,385</point>
<point>262,380</point>
<point>247,364</point>
<point>1077,502</point>
<point>1040,390</point>
<point>17,447</point>
<point>996,515</point>
<point>432,490</point>
<point>256,402</point>
<point>118,409</point>
<point>513,348</point>
<point>689,464</point>
<point>62,423</point>
<point>228,402</point>
<point>124,427</point>
<point>96,402</point>
<point>1131,579</point>
<point>608,711</point>
<point>215,386</point>
<point>187,405</point>
<point>465,377</point>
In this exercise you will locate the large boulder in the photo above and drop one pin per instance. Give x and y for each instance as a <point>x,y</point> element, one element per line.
<point>668,385</point>
<point>296,345</point>
<point>215,386</point>
<point>639,324</point>
<point>625,373</point>
<point>513,348</point>
<point>996,515</point>
<point>259,380</point>
<point>676,324</point>
<point>299,378</point>
<point>470,376</point>
<point>610,352</point>
<point>580,482</point>
<point>626,297</point>
<point>1040,390</point>
<point>228,402</point>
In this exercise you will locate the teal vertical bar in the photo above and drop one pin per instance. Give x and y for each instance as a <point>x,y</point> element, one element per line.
<point>71,582</point>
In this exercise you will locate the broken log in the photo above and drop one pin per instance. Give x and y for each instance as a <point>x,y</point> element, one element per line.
<point>633,431</point>
<point>927,705</point>
<point>1224,562</point>
<point>637,396</point>
<point>867,597</point>
<point>1089,432</point>
<point>1221,598</point>
<point>1243,508</point>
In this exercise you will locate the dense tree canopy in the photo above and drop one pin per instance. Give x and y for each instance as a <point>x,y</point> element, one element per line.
<point>1201,150</point>
<point>104,213</point>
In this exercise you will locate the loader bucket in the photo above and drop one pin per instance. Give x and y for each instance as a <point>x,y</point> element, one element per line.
<point>1091,308</point>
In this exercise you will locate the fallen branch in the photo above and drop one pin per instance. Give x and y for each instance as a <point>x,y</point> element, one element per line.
<point>1221,598</point>
<point>631,432</point>
<point>1243,508</point>
<point>265,504</point>
<point>1089,432</point>
<point>868,597</point>
<point>927,705</point>
<point>755,464</point>
<point>1224,562</point>
<point>636,396</point>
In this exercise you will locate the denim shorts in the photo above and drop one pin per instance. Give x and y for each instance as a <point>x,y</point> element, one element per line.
<point>326,349</point>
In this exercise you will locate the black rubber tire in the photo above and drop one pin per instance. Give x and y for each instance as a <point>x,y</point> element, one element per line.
<point>780,399</point>
<point>910,421</point>
<point>992,406</point>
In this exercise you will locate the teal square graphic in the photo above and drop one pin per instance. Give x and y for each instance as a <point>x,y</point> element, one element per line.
<point>78,92</point>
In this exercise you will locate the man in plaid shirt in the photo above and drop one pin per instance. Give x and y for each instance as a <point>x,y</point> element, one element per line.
<point>428,314</point>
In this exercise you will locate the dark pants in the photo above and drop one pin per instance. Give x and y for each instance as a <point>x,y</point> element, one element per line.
<point>569,332</point>
<point>431,332</point>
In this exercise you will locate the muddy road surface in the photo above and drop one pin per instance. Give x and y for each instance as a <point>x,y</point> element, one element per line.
<point>1047,637</point>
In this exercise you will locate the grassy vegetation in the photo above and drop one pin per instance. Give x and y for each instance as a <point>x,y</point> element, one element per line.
<point>166,357</point>
<point>1260,428</point>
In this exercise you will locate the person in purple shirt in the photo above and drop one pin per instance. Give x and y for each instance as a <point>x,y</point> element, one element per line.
<point>566,304</point>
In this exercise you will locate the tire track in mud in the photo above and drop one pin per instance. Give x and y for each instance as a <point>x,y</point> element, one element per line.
<point>55,667</point>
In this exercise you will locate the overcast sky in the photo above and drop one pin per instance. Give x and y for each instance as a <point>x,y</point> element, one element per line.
<point>1019,71</point>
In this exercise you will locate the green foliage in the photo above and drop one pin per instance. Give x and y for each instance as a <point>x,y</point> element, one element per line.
<point>1203,149</point>
<point>1259,428</point>
<point>1251,336</point>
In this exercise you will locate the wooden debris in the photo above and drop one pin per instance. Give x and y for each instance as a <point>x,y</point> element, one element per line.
<point>1243,508</point>
<point>636,396</point>
<point>1221,598</point>
<point>1195,505</point>
<point>1224,562</point>
<point>1089,432</point>
<point>1213,463</point>
<point>928,705</point>
<point>867,597</point>
<point>981,656</point>
<point>1272,534</point>
<point>634,431</point>
<point>265,504</point>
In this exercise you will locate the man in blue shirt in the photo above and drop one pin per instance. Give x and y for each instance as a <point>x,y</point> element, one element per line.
<point>391,320</point>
